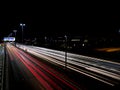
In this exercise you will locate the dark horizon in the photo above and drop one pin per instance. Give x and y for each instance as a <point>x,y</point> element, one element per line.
<point>60,21</point>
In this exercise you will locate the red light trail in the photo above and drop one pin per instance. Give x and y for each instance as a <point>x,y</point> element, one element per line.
<point>48,77</point>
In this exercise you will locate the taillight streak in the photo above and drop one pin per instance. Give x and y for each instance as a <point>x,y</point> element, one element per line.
<point>47,69</point>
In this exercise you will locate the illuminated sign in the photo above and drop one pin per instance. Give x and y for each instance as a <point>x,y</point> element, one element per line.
<point>9,39</point>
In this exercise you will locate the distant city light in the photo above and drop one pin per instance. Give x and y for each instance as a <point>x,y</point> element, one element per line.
<point>83,44</point>
<point>9,39</point>
<point>75,40</point>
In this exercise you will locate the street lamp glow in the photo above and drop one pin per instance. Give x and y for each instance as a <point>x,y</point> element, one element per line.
<point>22,25</point>
<point>65,51</point>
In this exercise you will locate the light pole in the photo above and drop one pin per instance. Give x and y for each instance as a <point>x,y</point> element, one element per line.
<point>22,25</point>
<point>15,35</point>
<point>65,51</point>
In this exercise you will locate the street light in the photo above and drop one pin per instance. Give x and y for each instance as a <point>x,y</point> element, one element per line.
<point>15,35</point>
<point>22,25</point>
<point>65,51</point>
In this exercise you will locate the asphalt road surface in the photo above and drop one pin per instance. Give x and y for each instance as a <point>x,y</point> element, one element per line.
<point>28,72</point>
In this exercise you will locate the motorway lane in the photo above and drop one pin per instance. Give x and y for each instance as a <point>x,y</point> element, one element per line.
<point>32,74</point>
<point>104,64</point>
<point>109,71</point>
<point>20,77</point>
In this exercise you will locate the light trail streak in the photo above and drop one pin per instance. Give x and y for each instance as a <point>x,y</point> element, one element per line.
<point>104,67</point>
<point>50,71</point>
<point>31,68</point>
<point>76,61</point>
<point>40,70</point>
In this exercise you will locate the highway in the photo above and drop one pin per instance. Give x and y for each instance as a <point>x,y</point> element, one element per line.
<point>30,73</point>
<point>102,70</point>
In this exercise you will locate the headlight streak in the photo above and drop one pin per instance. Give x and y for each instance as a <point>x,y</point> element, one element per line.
<point>47,58</point>
<point>89,74</point>
<point>86,59</point>
<point>11,58</point>
<point>74,61</point>
<point>104,67</point>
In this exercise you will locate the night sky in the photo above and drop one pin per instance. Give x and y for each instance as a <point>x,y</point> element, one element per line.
<point>58,19</point>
